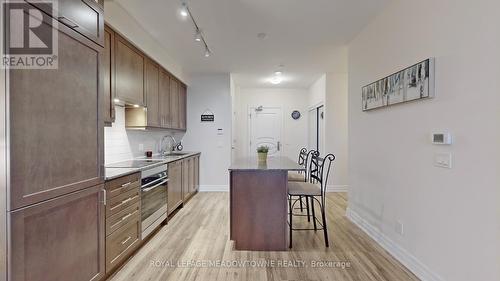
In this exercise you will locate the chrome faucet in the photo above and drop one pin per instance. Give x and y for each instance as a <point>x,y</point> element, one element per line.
<point>172,148</point>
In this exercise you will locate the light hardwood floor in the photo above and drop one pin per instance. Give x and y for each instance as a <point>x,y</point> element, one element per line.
<point>200,232</point>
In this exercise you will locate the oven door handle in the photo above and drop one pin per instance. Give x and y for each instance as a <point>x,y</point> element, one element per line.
<point>153,182</point>
<point>154,186</point>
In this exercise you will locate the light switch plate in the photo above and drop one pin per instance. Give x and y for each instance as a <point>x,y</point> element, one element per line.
<point>443,160</point>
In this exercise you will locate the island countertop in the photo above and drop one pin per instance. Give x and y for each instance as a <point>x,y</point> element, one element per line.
<point>273,163</point>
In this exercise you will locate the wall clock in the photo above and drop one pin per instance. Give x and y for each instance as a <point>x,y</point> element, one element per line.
<point>295,114</point>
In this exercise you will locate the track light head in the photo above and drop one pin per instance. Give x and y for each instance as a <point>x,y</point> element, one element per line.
<point>197,36</point>
<point>184,10</point>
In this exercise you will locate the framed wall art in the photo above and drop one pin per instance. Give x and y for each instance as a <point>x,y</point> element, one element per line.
<point>413,83</point>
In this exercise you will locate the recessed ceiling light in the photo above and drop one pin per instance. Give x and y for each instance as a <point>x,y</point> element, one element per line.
<point>276,80</point>
<point>278,72</point>
<point>116,100</point>
<point>207,53</point>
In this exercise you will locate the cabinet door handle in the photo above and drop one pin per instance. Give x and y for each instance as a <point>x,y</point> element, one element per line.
<point>68,22</point>
<point>126,184</point>
<point>127,200</point>
<point>104,195</point>
<point>126,240</point>
<point>127,216</point>
<point>123,218</point>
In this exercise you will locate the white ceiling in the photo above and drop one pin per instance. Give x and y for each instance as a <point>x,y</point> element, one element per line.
<point>300,35</point>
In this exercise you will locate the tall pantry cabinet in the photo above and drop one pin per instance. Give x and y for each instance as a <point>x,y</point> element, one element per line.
<point>54,155</point>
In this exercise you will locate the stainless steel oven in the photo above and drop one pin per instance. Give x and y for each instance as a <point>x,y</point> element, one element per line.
<point>154,186</point>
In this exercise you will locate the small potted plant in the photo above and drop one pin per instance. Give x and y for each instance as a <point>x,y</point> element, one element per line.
<point>262,153</point>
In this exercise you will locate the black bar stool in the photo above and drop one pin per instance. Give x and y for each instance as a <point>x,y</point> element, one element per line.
<point>299,176</point>
<point>303,160</point>
<point>315,189</point>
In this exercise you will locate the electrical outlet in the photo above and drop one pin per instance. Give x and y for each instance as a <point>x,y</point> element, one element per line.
<point>141,147</point>
<point>399,228</point>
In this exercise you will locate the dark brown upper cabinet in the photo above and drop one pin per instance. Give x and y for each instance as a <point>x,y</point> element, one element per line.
<point>182,106</point>
<point>129,72</point>
<point>108,71</point>
<point>56,131</point>
<point>134,78</point>
<point>60,239</point>
<point>84,16</point>
<point>174,103</point>
<point>152,79</point>
<point>164,99</point>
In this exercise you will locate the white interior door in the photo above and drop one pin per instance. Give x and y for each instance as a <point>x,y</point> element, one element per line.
<point>265,129</point>
<point>321,129</point>
<point>313,135</point>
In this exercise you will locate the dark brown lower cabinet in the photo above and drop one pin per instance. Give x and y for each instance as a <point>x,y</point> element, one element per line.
<point>60,239</point>
<point>196,163</point>
<point>123,219</point>
<point>186,179</point>
<point>190,176</point>
<point>175,187</point>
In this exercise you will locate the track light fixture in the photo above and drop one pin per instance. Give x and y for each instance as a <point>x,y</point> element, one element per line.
<point>184,10</point>
<point>198,37</point>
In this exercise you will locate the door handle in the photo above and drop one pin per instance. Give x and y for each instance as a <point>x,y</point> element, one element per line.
<point>279,144</point>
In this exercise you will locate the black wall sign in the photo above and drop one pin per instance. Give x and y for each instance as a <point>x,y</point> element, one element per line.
<point>207,118</point>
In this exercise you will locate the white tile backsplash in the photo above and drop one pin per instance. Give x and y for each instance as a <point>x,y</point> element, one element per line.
<point>121,144</point>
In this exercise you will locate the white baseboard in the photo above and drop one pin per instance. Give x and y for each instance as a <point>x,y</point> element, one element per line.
<point>225,188</point>
<point>213,188</point>
<point>337,188</point>
<point>402,255</point>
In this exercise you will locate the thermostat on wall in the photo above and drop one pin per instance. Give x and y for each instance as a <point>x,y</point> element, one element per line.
<point>441,138</point>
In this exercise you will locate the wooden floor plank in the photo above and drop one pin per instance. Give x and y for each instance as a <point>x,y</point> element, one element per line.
<point>200,233</point>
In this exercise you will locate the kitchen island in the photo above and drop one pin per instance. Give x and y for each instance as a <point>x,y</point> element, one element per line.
<point>258,203</point>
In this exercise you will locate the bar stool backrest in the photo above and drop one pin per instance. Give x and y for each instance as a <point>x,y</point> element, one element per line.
<point>302,156</point>
<point>319,171</point>
<point>307,163</point>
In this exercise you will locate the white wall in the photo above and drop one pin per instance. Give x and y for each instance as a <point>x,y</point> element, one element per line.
<point>450,216</point>
<point>121,144</point>
<point>317,92</point>
<point>331,90</point>
<point>336,127</point>
<point>294,132</point>
<point>125,24</point>
<point>210,92</point>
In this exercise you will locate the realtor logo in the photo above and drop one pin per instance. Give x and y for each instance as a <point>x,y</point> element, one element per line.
<point>30,34</point>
